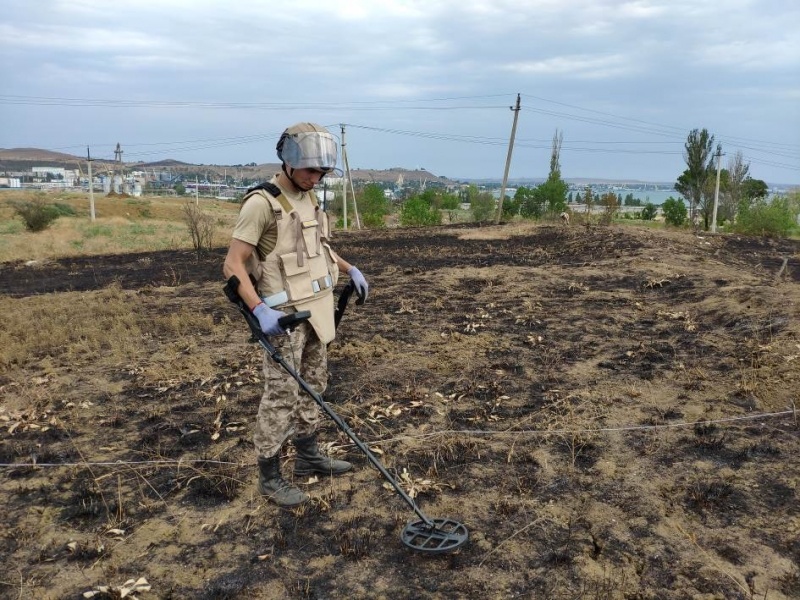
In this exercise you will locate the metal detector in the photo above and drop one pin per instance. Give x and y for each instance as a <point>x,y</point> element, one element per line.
<point>431,536</point>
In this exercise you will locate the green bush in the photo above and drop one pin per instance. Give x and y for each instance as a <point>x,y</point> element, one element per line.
<point>373,206</point>
<point>649,212</point>
<point>64,210</point>
<point>483,207</point>
<point>416,212</point>
<point>36,214</point>
<point>675,212</point>
<point>449,202</point>
<point>771,219</point>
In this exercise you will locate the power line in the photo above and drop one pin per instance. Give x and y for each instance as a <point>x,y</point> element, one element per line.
<point>604,119</point>
<point>128,103</point>
<point>668,127</point>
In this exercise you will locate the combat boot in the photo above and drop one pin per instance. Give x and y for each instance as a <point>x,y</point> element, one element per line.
<point>275,487</point>
<point>310,460</point>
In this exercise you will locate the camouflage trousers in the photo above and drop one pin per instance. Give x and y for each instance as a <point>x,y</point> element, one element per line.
<point>285,409</point>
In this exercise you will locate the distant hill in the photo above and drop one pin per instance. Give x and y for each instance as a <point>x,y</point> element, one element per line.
<point>164,163</point>
<point>22,159</point>
<point>36,154</point>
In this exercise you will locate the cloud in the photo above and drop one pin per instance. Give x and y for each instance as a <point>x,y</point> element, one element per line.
<point>753,55</point>
<point>384,62</point>
<point>578,66</point>
<point>78,39</point>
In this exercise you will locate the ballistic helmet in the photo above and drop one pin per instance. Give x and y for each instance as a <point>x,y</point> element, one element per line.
<point>307,146</point>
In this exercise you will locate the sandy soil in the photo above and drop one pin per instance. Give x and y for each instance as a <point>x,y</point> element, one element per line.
<point>609,411</point>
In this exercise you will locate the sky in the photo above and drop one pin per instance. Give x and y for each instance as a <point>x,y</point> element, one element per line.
<point>414,84</point>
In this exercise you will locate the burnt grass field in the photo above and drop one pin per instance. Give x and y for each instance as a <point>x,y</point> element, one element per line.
<point>609,411</point>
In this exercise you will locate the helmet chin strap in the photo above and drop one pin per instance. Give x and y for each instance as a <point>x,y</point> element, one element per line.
<point>289,172</point>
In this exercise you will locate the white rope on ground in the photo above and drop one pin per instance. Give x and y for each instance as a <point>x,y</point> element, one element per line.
<point>476,432</point>
<point>481,432</point>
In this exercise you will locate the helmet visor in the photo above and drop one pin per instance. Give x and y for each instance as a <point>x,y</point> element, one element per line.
<point>310,150</point>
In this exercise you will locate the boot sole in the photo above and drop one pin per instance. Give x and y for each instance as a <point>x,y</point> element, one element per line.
<point>286,504</point>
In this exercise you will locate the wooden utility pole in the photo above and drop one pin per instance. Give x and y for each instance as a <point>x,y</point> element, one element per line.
<point>352,189</point>
<point>347,177</point>
<point>91,184</point>
<point>344,182</point>
<point>508,162</point>
<point>716,194</point>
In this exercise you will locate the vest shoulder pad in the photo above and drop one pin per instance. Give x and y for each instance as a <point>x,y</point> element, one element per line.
<point>273,189</point>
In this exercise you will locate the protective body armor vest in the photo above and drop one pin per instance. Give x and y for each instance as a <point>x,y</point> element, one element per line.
<point>299,272</point>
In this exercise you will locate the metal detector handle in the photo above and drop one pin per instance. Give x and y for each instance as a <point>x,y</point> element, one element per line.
<point>288,321</point>
<point>292,320</point>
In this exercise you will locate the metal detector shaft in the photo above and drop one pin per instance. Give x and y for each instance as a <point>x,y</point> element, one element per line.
<point>341,305</point>
<point>231,291</point>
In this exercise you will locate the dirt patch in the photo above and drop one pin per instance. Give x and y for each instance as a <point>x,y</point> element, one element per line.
<point>608,410</point>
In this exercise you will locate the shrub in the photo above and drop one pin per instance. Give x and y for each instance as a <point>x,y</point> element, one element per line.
<point>675,212</point>
<point>483,207</point>
<point>37,214</point>
<point>771,219</point>
<point>201,227</point>
<point>649,212</point>
<point>416,212</point>
<point>373,205</point>
<point>64,210</point>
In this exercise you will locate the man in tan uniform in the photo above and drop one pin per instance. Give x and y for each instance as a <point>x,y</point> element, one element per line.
<point>282,238</point>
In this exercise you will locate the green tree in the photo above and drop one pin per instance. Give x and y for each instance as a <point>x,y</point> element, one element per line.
<point>649,212</point>
<point>754,189</point>
<point>793,200</point>
<point>554,195</point>
<point>549,196</point>
<point>373,205</point>
<point>483,207</point>
<point>589,200</point>
<point>417,212</point>
<point>511,206</point>
<point>699,168</point>
<point>674,211</point>
<point>531,203</point>
<point>738,172</point>
<point>179,188</point>
<point>448,201</point>
<point>610,204</point>
<point>554,190</point>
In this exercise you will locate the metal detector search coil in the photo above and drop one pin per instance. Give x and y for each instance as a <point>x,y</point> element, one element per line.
<point>444,535</point>
<point>431,536</point>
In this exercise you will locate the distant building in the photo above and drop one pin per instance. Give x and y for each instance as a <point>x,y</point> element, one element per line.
<point>10,182</point>
<point>60,172</point>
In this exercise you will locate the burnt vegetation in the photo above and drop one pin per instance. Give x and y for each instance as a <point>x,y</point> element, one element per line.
<point>609,412</point>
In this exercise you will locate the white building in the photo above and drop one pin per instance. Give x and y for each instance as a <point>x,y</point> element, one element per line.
<point>10,182</point>
<point>54,171</point>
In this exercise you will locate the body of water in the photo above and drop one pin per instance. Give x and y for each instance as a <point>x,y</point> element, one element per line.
<point>657,197</point>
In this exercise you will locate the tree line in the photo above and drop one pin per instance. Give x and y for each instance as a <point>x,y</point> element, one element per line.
<point>744,203</point>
